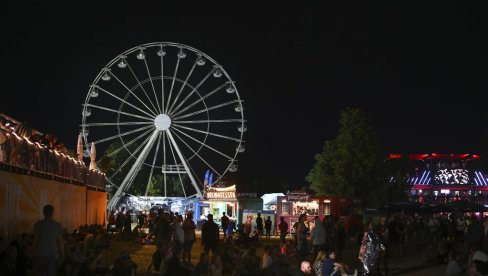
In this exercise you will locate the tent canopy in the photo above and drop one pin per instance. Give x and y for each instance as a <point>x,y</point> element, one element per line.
<point>269,199</point>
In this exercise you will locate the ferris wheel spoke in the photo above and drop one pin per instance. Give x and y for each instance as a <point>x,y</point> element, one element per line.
<point>182,87</point>
<point>198,155</point>
<point>200,99</point>
<point>112,183</point>
<point>164,161</point>
<point>193,90</point>
<point>126,161</point>
<point>210,121</point>
<point>124,101</point>
<point>131,175</point>
<point>209,133</point>
<point>162,83</point>
<point>133,94</point>
<point>203,144</point>
<point>198,179</point>
<point>126,145</point>
<point>153,163</point>
<point>142,87</point>
<point>174,159</point>
<point>115,124</point>
<point>118,111</point>
<point>207,109</point>
<point>172,85</point>
<point>184,163</point>
<point>152,85</point>
<point>121,134</point>
<point>182,185</point>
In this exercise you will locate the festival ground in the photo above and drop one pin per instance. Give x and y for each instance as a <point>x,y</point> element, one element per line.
<point>411,263</point>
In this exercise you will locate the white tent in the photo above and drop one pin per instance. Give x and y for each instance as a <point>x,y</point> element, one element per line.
<point>270,199</point>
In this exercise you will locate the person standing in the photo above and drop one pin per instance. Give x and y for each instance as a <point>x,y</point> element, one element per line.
<point>369,250</point>
<point>259,224</point>
<point>248,226</point>
<point>189,233</point>
<point>341,238</point>
<point>317,234</point>
<point>224,222</point>
<point>283,226</point>
<point>48,243</point>
<point>268,225</point>
<point>301,233</point>
<point>210,235</point>
<point>178,233</point>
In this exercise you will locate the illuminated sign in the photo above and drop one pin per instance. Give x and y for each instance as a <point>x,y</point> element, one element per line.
<point>298,196</point>
<point>221,195</point>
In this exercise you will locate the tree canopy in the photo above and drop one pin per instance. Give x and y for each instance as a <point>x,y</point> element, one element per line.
<point>351,164</point>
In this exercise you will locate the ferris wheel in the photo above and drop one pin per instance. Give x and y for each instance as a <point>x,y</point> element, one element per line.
<point>164,113</point>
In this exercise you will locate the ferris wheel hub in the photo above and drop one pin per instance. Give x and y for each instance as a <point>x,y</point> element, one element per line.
<point>162,122</point>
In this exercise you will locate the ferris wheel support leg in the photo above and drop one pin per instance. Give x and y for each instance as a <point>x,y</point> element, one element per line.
<point>190,175</point>
<point>133,172</point>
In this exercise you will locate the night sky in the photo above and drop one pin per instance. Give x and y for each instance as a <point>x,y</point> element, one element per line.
<point>419,71</point>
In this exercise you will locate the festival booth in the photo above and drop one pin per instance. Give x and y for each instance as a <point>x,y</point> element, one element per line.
<point>225,199</point>
<point>270,200</point>
<point>295,203</point>
<point>178,205</point>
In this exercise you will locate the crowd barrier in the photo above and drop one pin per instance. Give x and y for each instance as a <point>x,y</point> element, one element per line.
<point>23,155</point>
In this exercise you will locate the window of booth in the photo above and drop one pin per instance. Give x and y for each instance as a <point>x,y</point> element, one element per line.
<point>285,208</point>
<point>311,208</point>
<point>326,210</point>
<point>230,210</point>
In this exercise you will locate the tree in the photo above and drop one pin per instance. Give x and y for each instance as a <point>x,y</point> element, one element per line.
<point>350,165</point>
<point>397,171</point>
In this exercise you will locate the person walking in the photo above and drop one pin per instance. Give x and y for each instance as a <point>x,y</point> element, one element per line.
<point>267,226</point>
<point>283,226</point>
<point>224,222</point>
<point>210,235</point>
<point>48,244</point>
<point>189,233</point>
<point>369,250</point>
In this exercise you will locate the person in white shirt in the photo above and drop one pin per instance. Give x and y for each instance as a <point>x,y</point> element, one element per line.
<point>267,260</point>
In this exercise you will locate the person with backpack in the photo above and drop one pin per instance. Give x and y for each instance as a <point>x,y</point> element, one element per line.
<point>283,226</point>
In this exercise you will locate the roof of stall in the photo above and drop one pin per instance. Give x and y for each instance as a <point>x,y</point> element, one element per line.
<point>271,198</point>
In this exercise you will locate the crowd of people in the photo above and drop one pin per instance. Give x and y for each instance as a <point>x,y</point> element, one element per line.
<point>24,147</point>
<point>457,241</point>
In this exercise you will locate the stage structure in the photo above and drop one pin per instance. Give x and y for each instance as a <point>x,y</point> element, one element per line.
<point>172,110</point>
<point>441,178</point>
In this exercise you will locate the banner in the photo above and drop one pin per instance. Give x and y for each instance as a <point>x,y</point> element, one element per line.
<point>298,196</point>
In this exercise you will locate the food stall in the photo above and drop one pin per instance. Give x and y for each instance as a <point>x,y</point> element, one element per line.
<point>225,199</point>
<point>295,203</point>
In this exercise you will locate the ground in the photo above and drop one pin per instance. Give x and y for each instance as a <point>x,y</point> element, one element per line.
<point>410,264</point>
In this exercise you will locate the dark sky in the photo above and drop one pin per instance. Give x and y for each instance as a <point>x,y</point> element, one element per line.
<point>419,71</point>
